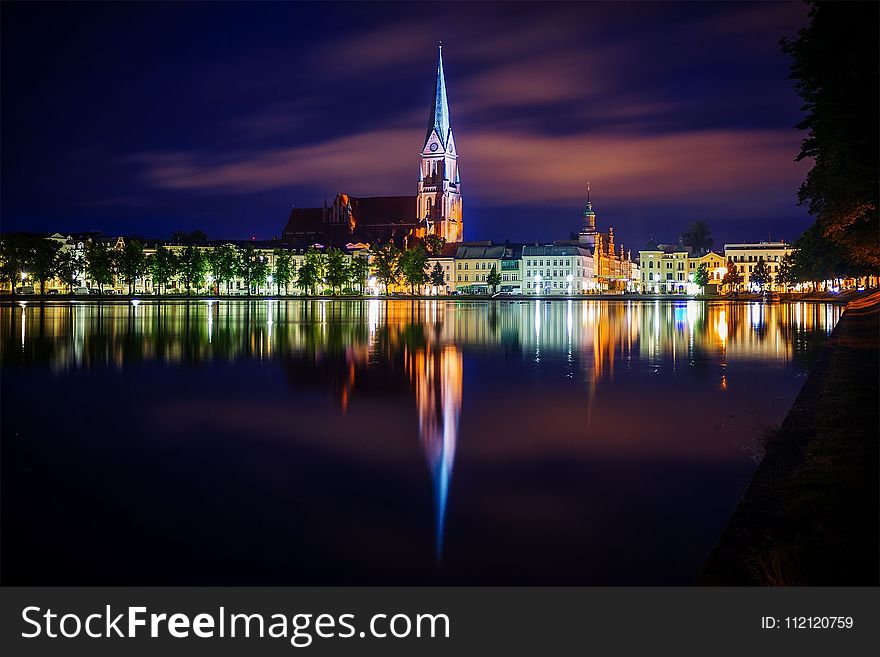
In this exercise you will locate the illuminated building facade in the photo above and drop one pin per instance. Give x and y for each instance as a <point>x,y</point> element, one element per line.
<point>747,255</point>
<point>611,263</point>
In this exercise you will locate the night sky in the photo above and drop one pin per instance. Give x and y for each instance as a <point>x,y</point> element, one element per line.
<point>146,119</point>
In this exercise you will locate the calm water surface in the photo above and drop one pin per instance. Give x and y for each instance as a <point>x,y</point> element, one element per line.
<point>387,442</point>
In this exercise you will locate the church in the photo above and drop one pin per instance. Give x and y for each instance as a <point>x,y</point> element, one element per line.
<point>435,210</point>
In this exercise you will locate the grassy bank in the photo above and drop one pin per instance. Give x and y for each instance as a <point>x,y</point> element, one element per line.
<point>810,513</point>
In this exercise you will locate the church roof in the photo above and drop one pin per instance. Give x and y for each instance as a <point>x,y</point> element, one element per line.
<point>380,210</point>
<point>438,118</point>
<point>304,220</point>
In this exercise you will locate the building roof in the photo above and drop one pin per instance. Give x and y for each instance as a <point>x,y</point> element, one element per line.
<point>758,246</point>
<point>474,251</point>
<point>559,249</point>
<point>304,221</point>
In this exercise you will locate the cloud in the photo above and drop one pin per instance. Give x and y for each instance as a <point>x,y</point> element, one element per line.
<point>545,102</point>
<point>506,168</point>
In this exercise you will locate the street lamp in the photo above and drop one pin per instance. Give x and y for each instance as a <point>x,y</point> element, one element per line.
<point>537,283</point>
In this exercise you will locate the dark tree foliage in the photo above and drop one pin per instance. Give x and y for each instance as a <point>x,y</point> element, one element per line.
<point>817,258</point>
<point>44,261</point>
<point>493,280</point>
<point>434,244</point>
<point>761,275</point>
<point>834,66</point>
<point>131,262</point>
<point>698,237</point>
<point>438,278</point>
<point>732,278</point>
<point>701,277</point>
<point>413,265</point>
<point>195,237</point>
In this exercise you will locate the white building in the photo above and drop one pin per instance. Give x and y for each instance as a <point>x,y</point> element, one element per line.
<point>747,255</point>
<point>558,269</point>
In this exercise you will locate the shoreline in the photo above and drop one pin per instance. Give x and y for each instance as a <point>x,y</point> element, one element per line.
<point>809,515</point>
<point>842,298</point>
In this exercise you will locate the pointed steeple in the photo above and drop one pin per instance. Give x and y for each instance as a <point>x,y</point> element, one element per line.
<point>589,215</point>
<point>438,119</point>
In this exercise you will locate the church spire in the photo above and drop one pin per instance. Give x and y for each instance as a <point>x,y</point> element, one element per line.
<point>438,119</point>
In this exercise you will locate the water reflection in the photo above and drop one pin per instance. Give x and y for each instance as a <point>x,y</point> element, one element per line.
<point>416,351</point>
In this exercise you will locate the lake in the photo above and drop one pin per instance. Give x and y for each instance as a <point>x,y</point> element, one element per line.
<point>386,442</point>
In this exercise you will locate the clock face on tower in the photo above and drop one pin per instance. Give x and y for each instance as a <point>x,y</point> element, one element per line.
<point>433,147</point>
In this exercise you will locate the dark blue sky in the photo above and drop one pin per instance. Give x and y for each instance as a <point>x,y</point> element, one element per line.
<point>146,119</point>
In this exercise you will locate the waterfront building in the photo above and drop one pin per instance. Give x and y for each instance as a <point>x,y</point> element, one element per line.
<point>559,269</point>
<point>435,209</point>
<point>473,264</point>
<point>511,270</point>
<point>716,268</point>
<point>747,254</point>
<point>664,268</point>
<point>672,268</point>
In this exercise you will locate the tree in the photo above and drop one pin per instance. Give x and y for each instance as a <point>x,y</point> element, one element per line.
<point>385,264</point>
<point>99,261</point>
<point>44,261</point>
<point>786,274</point>
<point>131,262</point>
<point>413,264</point>
<point>834,66</point>
<point>15,257</point>
<point>67,268</point>
<point>701,278</point>
<point>252,267</point>
<point>493,280</point>
<point>335,268</point>
<point>358,272</point>
<point>732,277</point>
<point>309,273</point>
<point>223,263</point>
<point>817,258</point>
<point>191,266</point>
<point>162,266</point>
<point>761,275</point>
<point>434,244</point>
<point>283,269</point>
<point>698,237</point>
<point>438,278</point>
<point>195,237</point>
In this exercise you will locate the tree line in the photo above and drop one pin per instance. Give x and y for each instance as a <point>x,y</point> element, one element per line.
<point>24,256</point>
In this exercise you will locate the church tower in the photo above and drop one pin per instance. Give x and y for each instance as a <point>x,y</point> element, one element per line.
<point>439,200</point>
